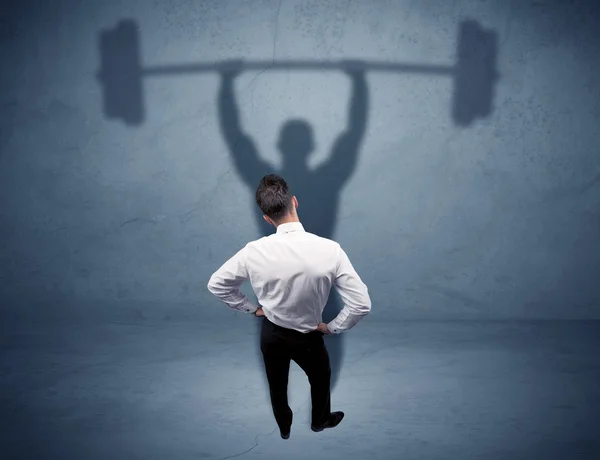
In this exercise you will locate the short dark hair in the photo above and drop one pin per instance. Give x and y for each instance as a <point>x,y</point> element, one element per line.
<point>273,197</point>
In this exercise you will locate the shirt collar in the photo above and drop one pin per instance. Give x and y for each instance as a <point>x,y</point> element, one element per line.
<point>290,227</point>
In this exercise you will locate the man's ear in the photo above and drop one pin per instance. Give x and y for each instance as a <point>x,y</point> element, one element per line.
<point>295,200</point>
<point>268,220</point>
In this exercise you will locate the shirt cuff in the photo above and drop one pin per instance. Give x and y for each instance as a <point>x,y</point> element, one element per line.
<point>249,308</point>
<point>332,328</point>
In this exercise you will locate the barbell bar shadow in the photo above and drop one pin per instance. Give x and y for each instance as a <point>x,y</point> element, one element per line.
<point>474,73</point>
<point>370,66</point>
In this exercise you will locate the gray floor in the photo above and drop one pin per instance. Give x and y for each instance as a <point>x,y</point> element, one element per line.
<point>189,390</point>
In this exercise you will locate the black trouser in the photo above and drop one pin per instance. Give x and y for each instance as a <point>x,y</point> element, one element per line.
<point>280,345</point>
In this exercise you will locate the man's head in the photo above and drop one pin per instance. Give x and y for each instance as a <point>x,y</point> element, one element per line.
<point>275,200</point>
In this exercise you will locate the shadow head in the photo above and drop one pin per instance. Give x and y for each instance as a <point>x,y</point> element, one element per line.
<point>296,142</point>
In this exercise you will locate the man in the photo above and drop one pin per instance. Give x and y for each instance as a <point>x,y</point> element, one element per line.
<point>291,272</point>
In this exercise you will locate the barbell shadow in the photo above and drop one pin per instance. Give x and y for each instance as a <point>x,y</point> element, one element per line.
<point>474,72</point>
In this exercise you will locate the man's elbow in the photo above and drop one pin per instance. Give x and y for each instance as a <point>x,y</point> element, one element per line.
<point>213,285</point>
<point>367,307</point>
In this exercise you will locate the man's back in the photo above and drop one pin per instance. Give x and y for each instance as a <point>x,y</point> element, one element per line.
<point>292,272</point>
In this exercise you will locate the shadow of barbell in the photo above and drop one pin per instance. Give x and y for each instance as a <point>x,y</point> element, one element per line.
<point>474,73</point>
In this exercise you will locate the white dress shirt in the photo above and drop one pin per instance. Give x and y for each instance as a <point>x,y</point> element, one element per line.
<point>291,272</point>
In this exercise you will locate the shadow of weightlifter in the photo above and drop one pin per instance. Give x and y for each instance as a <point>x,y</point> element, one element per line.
<point>317,190</point>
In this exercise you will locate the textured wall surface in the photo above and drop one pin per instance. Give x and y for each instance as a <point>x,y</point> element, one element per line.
<point>473,237</point>
<point>495,220</point>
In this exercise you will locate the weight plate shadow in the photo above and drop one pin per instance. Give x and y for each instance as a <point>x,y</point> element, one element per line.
<point>476,73</point>
<point>121,74</point>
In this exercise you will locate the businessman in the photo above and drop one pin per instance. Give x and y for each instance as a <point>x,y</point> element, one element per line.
<point>291,272</point>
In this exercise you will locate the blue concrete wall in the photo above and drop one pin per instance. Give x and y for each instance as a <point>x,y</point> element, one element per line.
<point>499,219</point>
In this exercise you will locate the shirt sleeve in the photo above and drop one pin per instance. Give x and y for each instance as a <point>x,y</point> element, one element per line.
<point>354,294</point>
<point>226,282</point>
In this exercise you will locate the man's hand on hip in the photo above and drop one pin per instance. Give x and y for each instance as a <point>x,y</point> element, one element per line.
<point>323,328</point>
<point>259,312</point>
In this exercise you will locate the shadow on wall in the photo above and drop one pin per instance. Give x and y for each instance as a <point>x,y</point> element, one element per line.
<point>318,191</point>
<point>474,72</point>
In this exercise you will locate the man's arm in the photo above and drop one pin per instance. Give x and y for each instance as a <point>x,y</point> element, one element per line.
<point>225,283</point>
<point>354,294</point>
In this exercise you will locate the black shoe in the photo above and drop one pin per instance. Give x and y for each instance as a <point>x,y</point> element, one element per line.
<point>286,434</point>
<point>334,420</point>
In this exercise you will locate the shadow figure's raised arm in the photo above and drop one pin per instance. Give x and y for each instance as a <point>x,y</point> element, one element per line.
<point>344,155</point>
<point>245,156</point>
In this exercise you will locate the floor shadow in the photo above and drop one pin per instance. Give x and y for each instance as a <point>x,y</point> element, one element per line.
<point>318,190</point>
